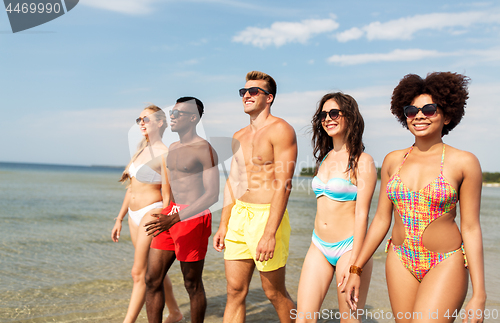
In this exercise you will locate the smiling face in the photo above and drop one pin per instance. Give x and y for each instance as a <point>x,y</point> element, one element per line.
<point>421,125</point>
<point>258,102</point>
<point>333,127</point>
<point>151,125</point>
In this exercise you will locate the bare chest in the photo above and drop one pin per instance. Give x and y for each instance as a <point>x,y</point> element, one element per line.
<point>182,161</point>
<point>256,150</point>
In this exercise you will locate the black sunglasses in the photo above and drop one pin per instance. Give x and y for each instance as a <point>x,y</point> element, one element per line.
<point>428,110</point>
<point>254,90</point>
<point>177,113</point>
<point>145,119</point>
<point>333,113</point>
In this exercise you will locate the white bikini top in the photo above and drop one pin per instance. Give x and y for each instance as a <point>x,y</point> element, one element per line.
<point>145,174</point>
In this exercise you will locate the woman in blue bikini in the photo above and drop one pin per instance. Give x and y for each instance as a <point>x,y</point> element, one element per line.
<point>143,197</point>
<point>343,185</point>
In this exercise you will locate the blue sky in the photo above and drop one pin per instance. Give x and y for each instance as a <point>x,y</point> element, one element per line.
<point>72,88</point>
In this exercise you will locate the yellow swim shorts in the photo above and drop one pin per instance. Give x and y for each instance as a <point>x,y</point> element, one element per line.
<point>244,230</point>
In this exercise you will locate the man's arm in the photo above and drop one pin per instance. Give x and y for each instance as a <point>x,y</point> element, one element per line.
<point>284,144</point>
<point>228,203</point>
<point>166,191</point>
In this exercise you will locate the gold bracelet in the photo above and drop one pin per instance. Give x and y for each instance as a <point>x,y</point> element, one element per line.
<point>118,219</point>
<point>355,270</point>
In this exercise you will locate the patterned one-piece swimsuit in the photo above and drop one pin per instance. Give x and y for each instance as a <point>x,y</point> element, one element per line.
<point>417,210</point>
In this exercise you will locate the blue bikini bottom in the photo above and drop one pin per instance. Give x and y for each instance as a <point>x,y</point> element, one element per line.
<point>333,251</point>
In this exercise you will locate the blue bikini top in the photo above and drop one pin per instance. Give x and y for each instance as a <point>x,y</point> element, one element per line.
<point>337,189</point>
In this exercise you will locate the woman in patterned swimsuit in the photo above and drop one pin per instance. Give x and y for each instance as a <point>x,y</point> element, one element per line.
<point>426,266</point>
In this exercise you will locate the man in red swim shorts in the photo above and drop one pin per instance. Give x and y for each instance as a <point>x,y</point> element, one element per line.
<point>188,238</point>
<point>190,186</point>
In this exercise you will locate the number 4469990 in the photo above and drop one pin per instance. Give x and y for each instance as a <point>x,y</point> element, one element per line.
<point>34,8</point>
<point>471,314</point>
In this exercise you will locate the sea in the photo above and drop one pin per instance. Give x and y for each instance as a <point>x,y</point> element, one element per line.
<point>59,264</point>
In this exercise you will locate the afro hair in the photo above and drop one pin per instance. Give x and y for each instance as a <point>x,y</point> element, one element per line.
<point>448,90</point>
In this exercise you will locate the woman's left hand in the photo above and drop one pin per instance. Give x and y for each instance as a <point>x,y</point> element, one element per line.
<point>474,311</point>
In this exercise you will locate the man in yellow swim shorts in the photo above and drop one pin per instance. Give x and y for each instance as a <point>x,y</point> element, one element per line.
<point>254,227</point>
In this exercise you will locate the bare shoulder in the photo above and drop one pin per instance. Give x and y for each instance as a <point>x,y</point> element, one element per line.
<point>281,129</point>
<point>463,159</point>
<point>365,158</point>
<point>205,152</point>
<point>201,145</point>
<point>281,125</point>
<point>209,147</point>
<point>240,133</point>
<point>366,167</point>
<point>392,160</point>
<point>395,156</point>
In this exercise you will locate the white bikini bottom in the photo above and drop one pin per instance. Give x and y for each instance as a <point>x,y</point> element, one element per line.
<point>137,216</point>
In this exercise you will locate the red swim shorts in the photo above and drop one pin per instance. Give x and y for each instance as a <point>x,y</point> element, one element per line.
<point>188,238</point>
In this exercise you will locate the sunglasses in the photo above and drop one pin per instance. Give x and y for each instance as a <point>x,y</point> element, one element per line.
<point>333,113</point>
<point>252,90</point>
<point>428,110</point>
<point>145,119</point>
<point>177,113</point>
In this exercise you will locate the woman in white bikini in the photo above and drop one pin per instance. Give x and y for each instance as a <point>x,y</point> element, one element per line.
<point>143,197</point>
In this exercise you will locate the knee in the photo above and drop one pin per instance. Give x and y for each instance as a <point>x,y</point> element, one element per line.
<point>237,291</point>
<point>193,285</point>
<point>152,281</point>
<point>272,293</point>
<point>137,274</point>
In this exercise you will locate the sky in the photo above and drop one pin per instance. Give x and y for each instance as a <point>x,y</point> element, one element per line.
<point>70,89</point>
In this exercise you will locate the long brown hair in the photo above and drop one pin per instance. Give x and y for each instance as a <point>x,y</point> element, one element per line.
<point>159,115</point>
<point>355,125</point>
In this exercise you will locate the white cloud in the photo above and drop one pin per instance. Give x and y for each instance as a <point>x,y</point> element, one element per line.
<point>487,55</point>
<point>404,28</point>
<point>351,34</point>
<point>190,62</point>
<point>231,3</point>
<point>139,7</point>
<point>395,55</point>
<point>398,55</point>
<point>281,33</point>
<point>131,7</point>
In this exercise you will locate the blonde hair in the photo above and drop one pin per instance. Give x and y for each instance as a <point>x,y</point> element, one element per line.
<point>159,116</point>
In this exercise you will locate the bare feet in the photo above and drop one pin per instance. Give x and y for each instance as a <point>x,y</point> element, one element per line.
<point>174,317</point>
